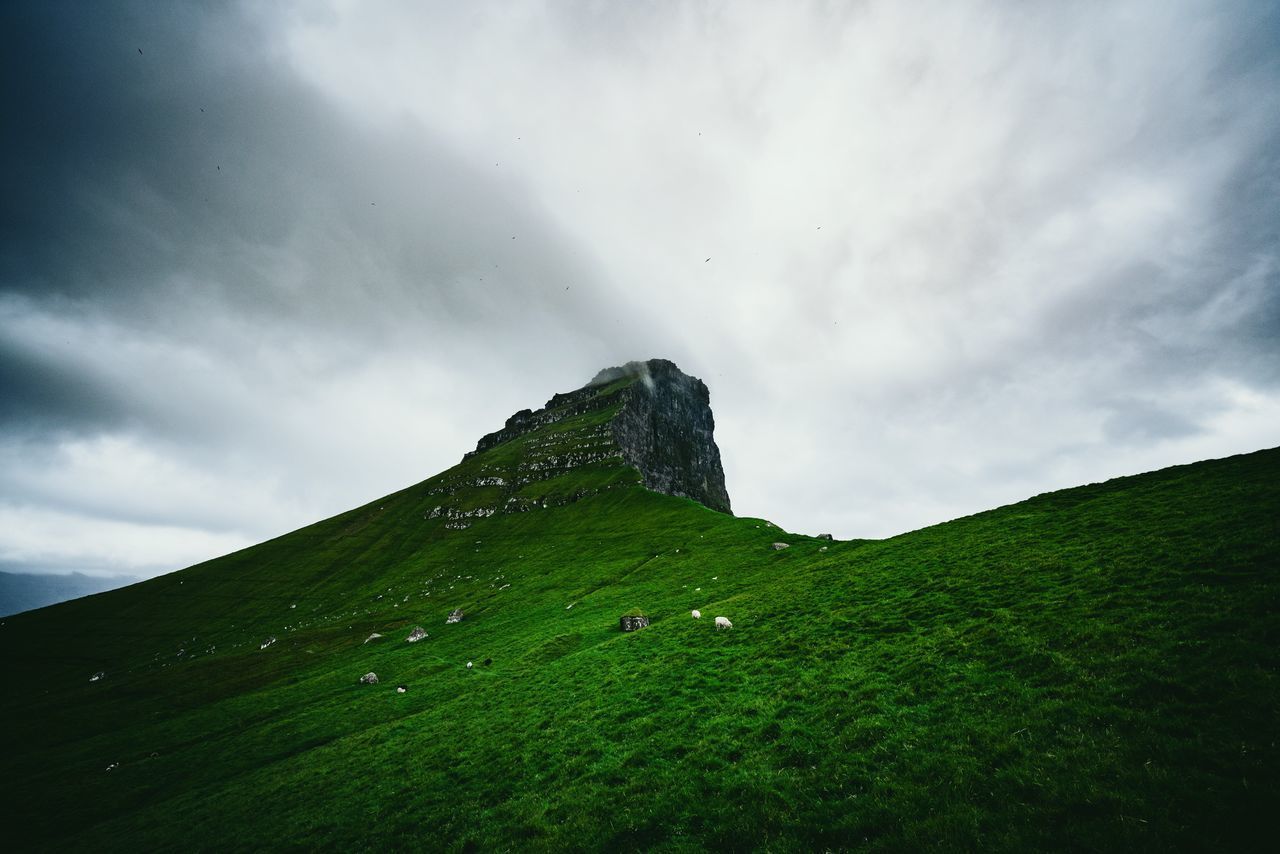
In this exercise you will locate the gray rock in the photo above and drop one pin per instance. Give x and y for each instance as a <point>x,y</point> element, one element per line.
<point>777,547</point>
<point>455,616</point>
<point>417,634</point>
<point>825,537</point>
<point>369,678</point>
<point>664,428</point>
<point>632,623</point>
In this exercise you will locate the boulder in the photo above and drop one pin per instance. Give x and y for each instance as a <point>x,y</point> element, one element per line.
<point>777,547</point>
<point>400,689</point>
<point>369,678</point>
<point>825,537</point>
<point>455,616</point>
<point>417,634</point>
<point>632,622</point>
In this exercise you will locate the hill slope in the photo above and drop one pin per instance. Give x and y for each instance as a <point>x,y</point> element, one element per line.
<point>1091,668</point>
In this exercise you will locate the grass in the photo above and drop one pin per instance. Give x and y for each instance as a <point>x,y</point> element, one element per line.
<point>1094,668</point>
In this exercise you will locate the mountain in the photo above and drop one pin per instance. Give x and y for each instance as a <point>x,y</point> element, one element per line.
<point>22,591</point>
<point>1094,668</point>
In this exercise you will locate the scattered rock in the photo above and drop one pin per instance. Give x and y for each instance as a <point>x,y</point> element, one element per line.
<point>266,643</point>
<point>99,675</point>
<point>455,616</point>
<point>373,636</point>
<point>369,678</point>
<point>417,634</point>
<point>777,547</point>
<point>633,622</point>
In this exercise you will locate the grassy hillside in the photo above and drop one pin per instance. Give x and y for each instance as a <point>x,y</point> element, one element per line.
<point>1093,668</point>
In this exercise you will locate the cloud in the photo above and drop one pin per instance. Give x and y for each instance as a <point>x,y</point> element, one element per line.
<point>289,258</point>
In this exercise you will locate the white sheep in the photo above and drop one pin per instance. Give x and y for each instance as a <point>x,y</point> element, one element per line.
<point>723,623</point>
<point>697,615</point>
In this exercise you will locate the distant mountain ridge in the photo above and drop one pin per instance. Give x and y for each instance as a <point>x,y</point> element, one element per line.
<point>20,591</point>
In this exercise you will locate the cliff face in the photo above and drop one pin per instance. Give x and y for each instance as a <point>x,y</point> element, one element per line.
<point>658,419</point>
<point>665,429</point>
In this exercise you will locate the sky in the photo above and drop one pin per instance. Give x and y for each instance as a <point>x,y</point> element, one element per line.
<point>262,263</point>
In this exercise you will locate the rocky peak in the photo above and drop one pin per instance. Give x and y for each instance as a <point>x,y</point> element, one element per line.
<point>666,430</point>
<point>660,423</point>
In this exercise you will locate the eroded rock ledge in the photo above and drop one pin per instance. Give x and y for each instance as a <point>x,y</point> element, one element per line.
<point>662,426</point>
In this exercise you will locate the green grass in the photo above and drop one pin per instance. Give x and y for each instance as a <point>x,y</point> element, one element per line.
<point>1094,668</point>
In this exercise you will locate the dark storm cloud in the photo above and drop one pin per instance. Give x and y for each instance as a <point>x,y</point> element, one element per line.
<point>201,176</point>
<point>38,395</point>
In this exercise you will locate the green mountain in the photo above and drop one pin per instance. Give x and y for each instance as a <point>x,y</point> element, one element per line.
<point>1094,668</point>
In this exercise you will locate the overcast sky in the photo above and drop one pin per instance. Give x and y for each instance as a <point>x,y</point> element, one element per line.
<point>262,263</point>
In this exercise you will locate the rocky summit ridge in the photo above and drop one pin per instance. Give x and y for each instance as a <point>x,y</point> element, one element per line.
<point>647,415</point>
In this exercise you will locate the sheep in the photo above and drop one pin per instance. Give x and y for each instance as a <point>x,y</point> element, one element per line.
<point>723,623</point>
<point>697,615</point>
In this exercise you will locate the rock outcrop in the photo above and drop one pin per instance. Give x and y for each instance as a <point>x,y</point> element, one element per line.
<point>665,429</point>
<point>660,423</point>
